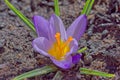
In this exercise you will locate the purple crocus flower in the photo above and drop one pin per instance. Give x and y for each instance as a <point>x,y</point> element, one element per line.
<point>57,43</point>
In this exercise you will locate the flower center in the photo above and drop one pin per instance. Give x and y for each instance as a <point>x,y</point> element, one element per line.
<point>60,47</point>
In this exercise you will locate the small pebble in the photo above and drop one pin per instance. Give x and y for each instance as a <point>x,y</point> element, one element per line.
<point>2,65</point>
<point>88,59</point>
<point>2,25</point>
<point>90,30</point>
<point>104,32</point>
<point>78,75</point>
<point>2,42</point>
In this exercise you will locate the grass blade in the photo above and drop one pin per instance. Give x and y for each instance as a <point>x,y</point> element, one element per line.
<point>87,7</point>
<point>20,15</point>
<point>56,6</point>
<point>36,72</point>
<point>82,50</point>
<point>58,76</point>
<point>95,72</point>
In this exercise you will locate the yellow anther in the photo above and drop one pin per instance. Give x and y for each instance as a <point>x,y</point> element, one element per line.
<point>57,34</point>
<point>70,39</point>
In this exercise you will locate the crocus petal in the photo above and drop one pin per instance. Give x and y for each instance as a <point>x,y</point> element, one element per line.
<point>41,26</point>
<point>76,58</point>
<point>41,45</point>
<point>64,64</point>
<point>52,31</point>
<point>73,47</point>
<point>78,27</point>
<point>58,26</point>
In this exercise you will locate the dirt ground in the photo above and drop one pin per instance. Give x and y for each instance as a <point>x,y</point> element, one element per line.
<point>102,38</point>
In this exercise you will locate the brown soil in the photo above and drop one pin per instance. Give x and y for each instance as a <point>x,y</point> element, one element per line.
<point>102,38</point>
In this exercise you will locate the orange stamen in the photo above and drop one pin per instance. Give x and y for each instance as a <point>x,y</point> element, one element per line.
<point>57,36</point>
<point>67,42</point>
<point>60,47</point>
<point>70,39</point>
<point>58,39</point>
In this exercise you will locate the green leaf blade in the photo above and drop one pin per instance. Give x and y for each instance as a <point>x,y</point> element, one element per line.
<point>82,50</point>
<point>56,6</point>
<point>20,15</point>
<point>36,72</point>
<point>96,73</point>
<point>58,76</point>
<point>87,7</point>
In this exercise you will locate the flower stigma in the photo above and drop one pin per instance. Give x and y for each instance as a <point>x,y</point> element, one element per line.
<point>60,48</point>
